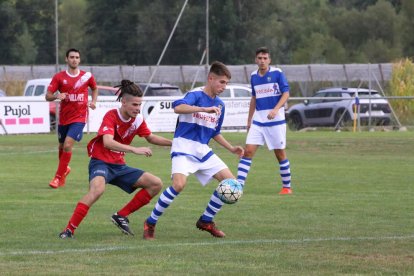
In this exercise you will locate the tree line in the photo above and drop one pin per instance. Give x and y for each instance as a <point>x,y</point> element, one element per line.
<point>134,32</point>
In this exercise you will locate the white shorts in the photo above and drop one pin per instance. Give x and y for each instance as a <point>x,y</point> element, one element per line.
<point>273,136</point>
<point>204,171</point>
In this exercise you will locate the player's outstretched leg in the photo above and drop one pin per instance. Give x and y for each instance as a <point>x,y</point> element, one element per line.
<point>205,223</point>
<point>210,227</point>
<point>149,231</point>
<point>122,223</point>
<point>163,202</point>
<point>67,234</point>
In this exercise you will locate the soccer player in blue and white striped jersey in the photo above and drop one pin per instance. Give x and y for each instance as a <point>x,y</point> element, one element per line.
<point>266,120</point>
<point>201,114</point>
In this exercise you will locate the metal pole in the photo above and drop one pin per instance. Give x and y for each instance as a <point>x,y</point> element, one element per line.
<point>166,44</point>
<point>207,34</point>
<point>56,36</point>
<point>198,68</point>
<point>369,100</point>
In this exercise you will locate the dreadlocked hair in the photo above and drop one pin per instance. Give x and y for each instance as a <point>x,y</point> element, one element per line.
<point>128,87</point>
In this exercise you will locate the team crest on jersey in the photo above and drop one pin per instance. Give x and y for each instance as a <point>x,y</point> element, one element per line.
<point>65,81</point>
<point>269,79</point>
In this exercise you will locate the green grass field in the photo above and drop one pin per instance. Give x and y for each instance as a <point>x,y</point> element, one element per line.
<point>351,213</point>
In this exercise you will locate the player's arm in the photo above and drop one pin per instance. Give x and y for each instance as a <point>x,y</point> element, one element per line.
<point>272,114</point>
<point>92,104</point>
<point>51,96</point>
<point>187,109</point>
<point>252,108</point>
<point>111,144</point>
<point>158,140</point>
<point>225,144</point>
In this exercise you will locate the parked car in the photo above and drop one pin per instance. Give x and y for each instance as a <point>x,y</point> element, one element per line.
<point>160,89</point>
<point>327,110</point>
<point>38,88</point>
<point>235,90</point>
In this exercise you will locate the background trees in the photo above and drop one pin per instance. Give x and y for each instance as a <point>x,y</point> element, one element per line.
<point>135,31</point>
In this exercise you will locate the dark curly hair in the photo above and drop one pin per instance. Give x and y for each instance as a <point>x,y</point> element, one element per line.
<point>128,87</point>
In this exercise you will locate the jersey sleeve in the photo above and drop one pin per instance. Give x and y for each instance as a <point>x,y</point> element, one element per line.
<point>143,130</point>
<point>92,83</point>
<point>54,84</point>
<point>283,83</point>
<point>108,124</point>
<point>190,99</point>
<point>252,86</point>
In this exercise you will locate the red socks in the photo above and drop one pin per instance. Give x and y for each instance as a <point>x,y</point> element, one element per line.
<point>78,215</point>
<point>63,163</point>
<point>140,199</point>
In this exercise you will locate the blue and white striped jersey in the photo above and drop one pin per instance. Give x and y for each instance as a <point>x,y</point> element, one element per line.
<point>268,90</point>
<point>194,130</point>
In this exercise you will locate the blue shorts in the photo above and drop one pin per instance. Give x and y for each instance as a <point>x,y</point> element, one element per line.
<point>119,175</point>
<point>74,131</point>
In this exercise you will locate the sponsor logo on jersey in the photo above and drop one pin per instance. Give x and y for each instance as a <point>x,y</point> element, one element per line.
<point>205,117</point>
<point>75,97</point>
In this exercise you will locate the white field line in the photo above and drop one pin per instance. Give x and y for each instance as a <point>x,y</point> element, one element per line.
<point>27,152</point>
<point>195,244</point>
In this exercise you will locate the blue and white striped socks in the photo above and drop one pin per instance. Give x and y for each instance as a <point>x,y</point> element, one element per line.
<point>213,207</point>
<point>284,167</point>
<point>164,201</point>
<point>243,169</point>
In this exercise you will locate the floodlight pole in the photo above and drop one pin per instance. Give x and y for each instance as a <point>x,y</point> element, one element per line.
<point>56,36</point>
<point>207,34</point>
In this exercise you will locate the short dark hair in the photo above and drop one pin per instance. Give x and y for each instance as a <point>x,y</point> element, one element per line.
<point>263,50</point>
<point>72,50</point>
<point>220,69</point>
<point>128,87</point>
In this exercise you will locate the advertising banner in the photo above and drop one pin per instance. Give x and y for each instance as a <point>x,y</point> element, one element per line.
<point>29,115</point>
<point>23,116</point>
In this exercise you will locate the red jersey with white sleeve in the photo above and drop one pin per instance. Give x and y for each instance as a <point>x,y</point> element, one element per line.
<point>74,108</point>
<point>123,131</point>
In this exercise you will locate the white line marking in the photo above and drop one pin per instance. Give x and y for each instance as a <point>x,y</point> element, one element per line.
<point>148,245</point>
<point>27,152</point>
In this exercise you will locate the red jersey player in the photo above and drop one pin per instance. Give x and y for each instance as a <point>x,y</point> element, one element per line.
<point>107,164</point>
<point>72,85</point>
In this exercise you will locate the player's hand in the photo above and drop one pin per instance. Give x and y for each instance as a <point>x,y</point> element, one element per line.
<point>272,114</point>
<point>238,150</point>
<point>92,105</point>
<point>61,96</point>
<point>213,109</point>
<point>143,151</point>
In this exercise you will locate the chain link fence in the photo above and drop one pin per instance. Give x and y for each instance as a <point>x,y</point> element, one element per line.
<point>305,76</point>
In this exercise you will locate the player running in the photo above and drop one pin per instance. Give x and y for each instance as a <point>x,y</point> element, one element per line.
<point>71,88</point>
<point>201,116</point>
<point>107,164</point>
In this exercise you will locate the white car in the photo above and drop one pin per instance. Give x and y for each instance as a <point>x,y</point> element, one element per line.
<point>335,107</point>
<point>234,90</point>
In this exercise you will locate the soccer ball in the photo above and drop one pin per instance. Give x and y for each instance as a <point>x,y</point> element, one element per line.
<point>229,190</point>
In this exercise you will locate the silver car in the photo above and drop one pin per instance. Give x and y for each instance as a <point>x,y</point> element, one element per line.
<point>336,107</point>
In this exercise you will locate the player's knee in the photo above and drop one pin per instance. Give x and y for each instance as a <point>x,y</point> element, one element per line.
<point>248,153</point>
<point>156,185</point>
<point>67,148</point>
